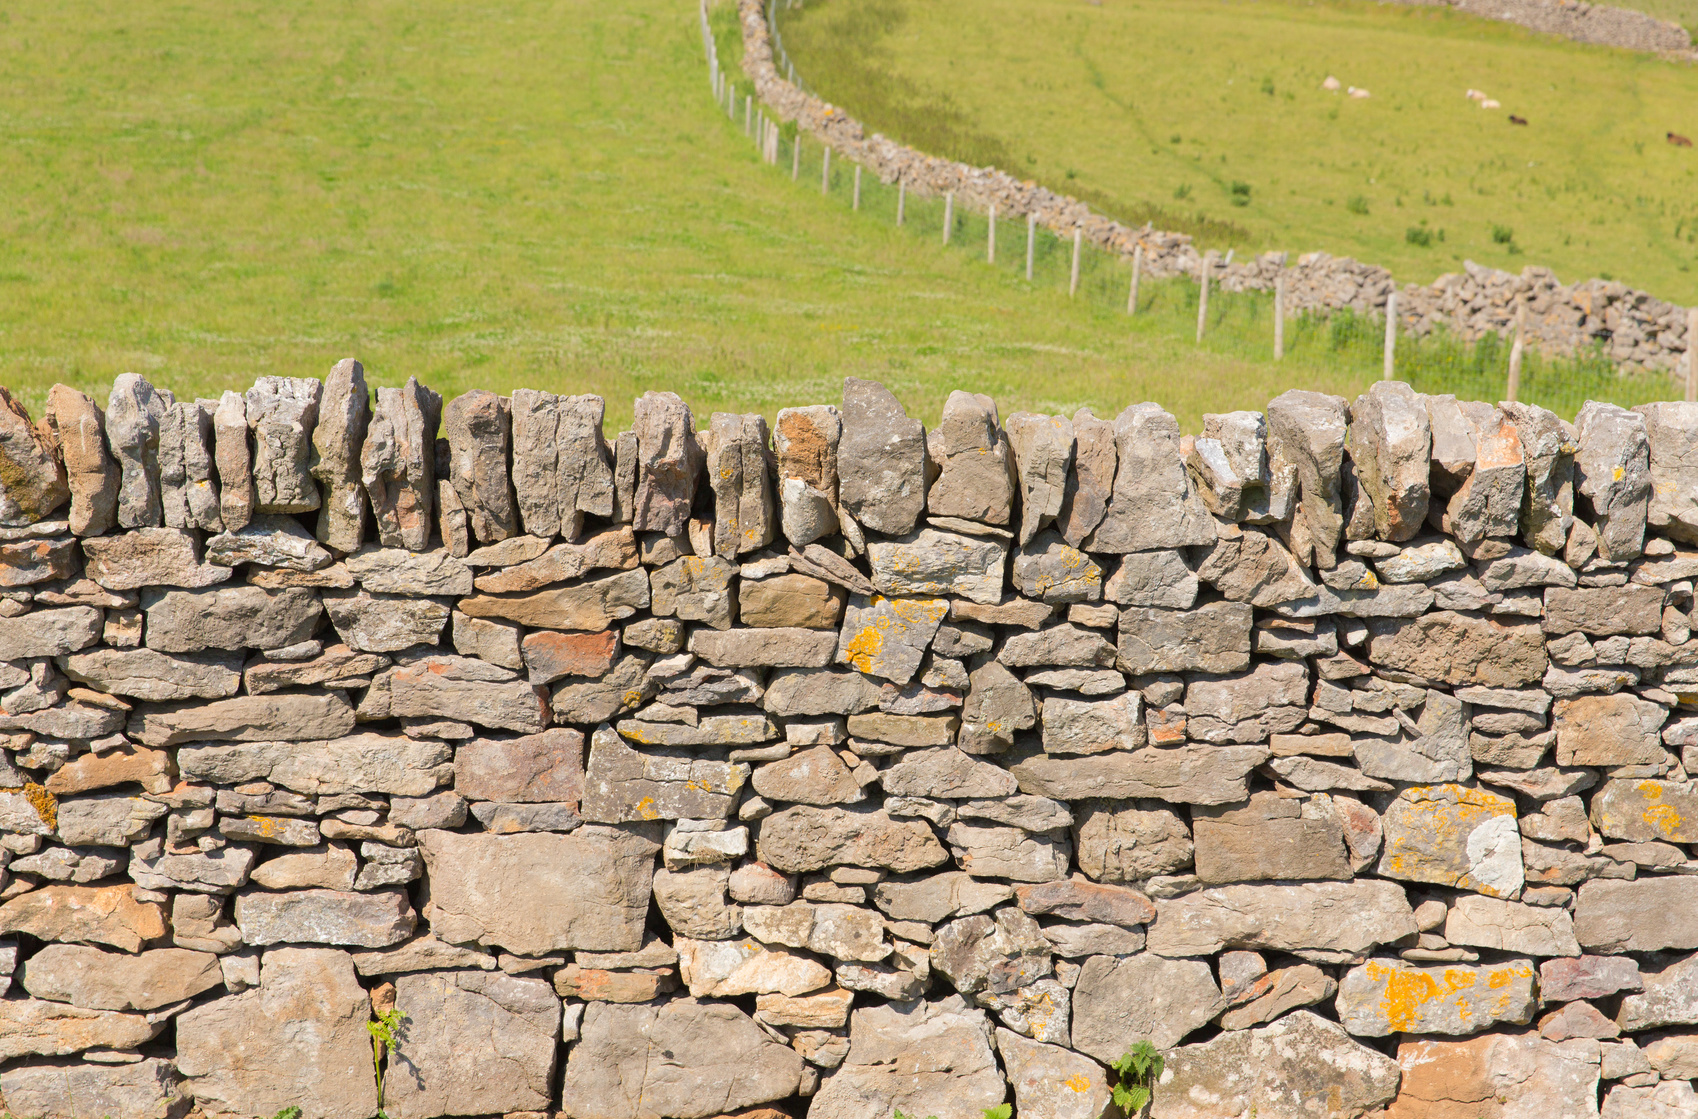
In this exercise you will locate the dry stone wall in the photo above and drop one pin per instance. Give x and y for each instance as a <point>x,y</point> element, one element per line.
<point>1631,328</point>
<point>1343,751</point>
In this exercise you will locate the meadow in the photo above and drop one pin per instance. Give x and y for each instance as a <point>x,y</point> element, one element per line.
<point>541,193</point>
<point>1210,118</point>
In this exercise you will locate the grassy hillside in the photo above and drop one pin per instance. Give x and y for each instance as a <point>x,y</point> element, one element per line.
<point>1210,117</point>
<point>541,193</point>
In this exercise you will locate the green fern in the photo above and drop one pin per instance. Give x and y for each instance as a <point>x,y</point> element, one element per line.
<point>1000,1111</point>
<point>385,1036</point>
<point>290,1112</point>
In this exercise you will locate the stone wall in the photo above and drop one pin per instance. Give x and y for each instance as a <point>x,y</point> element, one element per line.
<point>1633,329</point>
<point>1341,751</point>
<point>1597,24</point>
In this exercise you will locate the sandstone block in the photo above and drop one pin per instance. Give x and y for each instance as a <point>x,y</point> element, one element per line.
<point>1142,996</point>
<point>1608,730</point>
<point>804,839</point>
<point>1385,996</point>
<point>1647,915</point>
<point>1182,775</point>
<point>153,676</point>
<point>148,1089</point>
<point>282,413</point>
<point>1323,916</point>
<point>805,443</point>
<point>920,1058</point>
<point>358,764</point>
<point>272,718</point>
<point>134,413</point>
<point>99,980</point>
<point>735,450</point>
<point>79,427</point>
<point>1454,836</point>
<point>475,1041</point>
<point>1270,837</point>
<point>233,617</point>
<point>1459,649</point>
<point>669,462</point>
<point>1527,930</point>
<point>593,604</point>
<point>398,464</point>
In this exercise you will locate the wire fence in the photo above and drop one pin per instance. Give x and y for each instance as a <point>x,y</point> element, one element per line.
<point>1246,325</point>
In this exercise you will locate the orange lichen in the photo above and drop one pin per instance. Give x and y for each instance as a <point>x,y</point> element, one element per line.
<point>46,805</point>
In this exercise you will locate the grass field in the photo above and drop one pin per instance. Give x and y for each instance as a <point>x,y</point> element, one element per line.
<point>1210,118</point>
<point>534,193</point>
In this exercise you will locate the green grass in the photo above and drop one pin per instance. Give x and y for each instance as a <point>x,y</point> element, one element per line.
<point>531,193</point>
<point>1210,119</point>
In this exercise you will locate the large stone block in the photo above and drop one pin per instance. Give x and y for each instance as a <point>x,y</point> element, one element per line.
<point>1270,837</point>
<point>1349,917</point>
<point>669,463</point>
<point>1454,836</point>
<point>360,920</point>
<point>79,426</point>
<point>805,444</point>
<point>230,617</point>
<point>622,784</point>
<point>238,1062</point>
<point>1155,504</point>
<point>881,461</point>
<point>1142,996</point>
<point>359,764</point>
<point>587,889</point>
<point>975,477</point>
<point>282,413</point>
<point>134,412</point>
<point>1211,638</point>
<point>148,1089</point>
<point>735,450</point>
<point>1391,440</point>
<point>717,1060</point>
<point>398,465</point>
<point>270,718</point>
<point>1609,730</point>
<point>475,1041</point>
<point>1387,996</point>
<point>1612,475</point>
<point>920,1058</point>
<point>1647,915</point>
<point>99,980</point>
<point>929,562</point>
<point>804,839</point>
<point>1459,649</point>
<point>1183,775</point>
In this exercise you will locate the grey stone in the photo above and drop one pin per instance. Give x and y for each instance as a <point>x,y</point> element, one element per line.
<point>282,413</point>
<point>109,820</point>
<point>920,1058</point>
<point>1051,1082</point>
<point>881,460</point>
<point>1647,915</point>
<point>459,687</point>
<point>1276,1072</point>
<point>929,562</point>
<point>344,413</point>
<point>1612,474</point>
<point>1043,451</point>
<point>134,413</point>
<point>804,838</point>
<point>234,617</point>
<point>474,1042</point>
<point>150,557</point>
<point>53,1029</point>
<point>588,889</point>
<point>148,1089</point>
<point>49,633</point>
<point>809,692</point>
<point>1009,853</point>
<point>1270,837</point>
<point>268,540</point>
<point>1129,842</point>
<point>805,443</point>
<point>1459,999</point>
<point>479,429</point>
<point>329,866</point>
<point>398,464</point>
<point>153,676</point>
<point>1194,774</point>
<point>975,479</point>
<point>735,450</point>
<point>813,776</point>
<point>887,637</point>
<point>937,897</point>
<point>1345,917</point>
<point>396,571</point>
<point>99,980</point>
<point>1306,431</point>
<point>1155,505</point>
<point>944,771</point>
<point>719,1061</point>
<point>365,920</point>
<point>1140,996</point>
<point>188,495</point>
<point>1547,504</point>
<point>696,589</point>
<point>1459,649</point>
<point>1063,644</point>
<point>593,604</point>
<point>1050,569</point>
<point>1248,565</point>
<point>91,473</point>
<point>1454,836</point>
<point>236,1061</point>
<point>273,718</point>
<point>535,418</point>
<point>233,457</point>
<point>692,901</point>
<point>584,461</point>
<point>1211,638</point>
<point>385,623</point>
<point>1090,484</point>
<point>1391,443</point>
<point>1507,926</point>
<point>669,461</point>
<point>1158,578</point>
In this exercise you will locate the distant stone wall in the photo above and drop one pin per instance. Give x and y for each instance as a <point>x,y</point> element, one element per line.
<point>1344,752</point>
<point>1631,328</point>
<point>1597,24</point>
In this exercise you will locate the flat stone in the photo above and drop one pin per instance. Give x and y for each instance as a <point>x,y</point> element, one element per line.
<point>920,1058</point>
<point>1459,649</point>
<point>711,730</point>
<point>1184,775</point>
<point>764,648</point>
<point>1548,452</point>
<point>273,718</point>
<point>475,1041</point>
<point>1608,730</point>
<point>91,473</point>
<point>385,623</point>
<point>1385,996</point>
<point>622,784</point>
<point>49,633</point>
<point>1009,853</point>
<point>720,1062</point>
<point>1270,837</point>
<point>843,932</point>
<point>422,953</point>
<point>1079,900</point>
<point>154,770</point>
<point>536,768</point>
<point>99,980</point>
<point>362,763</point>
<point>110,820</point>
<point>1348,917</point>
<point>146,1089</point>
<point>1159,578</point>
<point>1064,644</point>
<point>1666,1100</point>
<point>939,896</point>
<point>234,617</point>
<point>888,637</point>
<point>1665,997</point>
<point>338,666</point>
<point>729,968</point>
<point>615,549</point>
<point>144,557</point>
<point>1645,810</point>
<point>588,889</point>
<point>1647,915</point>
<point>153,676</point>
<point>1155,504</point>
<point>1276,993</point>
<point>1525,930</point>
<point>452,687</point>
<point>1073,726</point>
<point>790,601</point>
<point>804,839</point>
<point>813,776</point>
<point>85,915</point>
<point>270,541</point>
<point>1251,566</point>
<point>1129,842</point>
<point>330,866</point>
<point>593,604</point>
<point>1274,1072</point>
<point>800,692</point>
<point>1587,977</point>
<point>929,562</point>
<point>1140,996</point>
<point>692,901</point>
<point>53,1029</point>
<point>1211,638</point>
<point>236,1061</point>
<point>365,920</point>
<point>944,771</point>
<point>1453,836</point>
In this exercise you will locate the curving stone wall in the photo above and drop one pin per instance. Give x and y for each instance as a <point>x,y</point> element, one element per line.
<point>1631,328</point>
<point>1342,751</point>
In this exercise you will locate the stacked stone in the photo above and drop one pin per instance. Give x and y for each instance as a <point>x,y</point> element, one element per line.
<point>1341,751</point>
<point>1634,329</point>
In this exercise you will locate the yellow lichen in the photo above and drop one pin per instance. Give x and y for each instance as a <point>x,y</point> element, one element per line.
<point>46,805</point>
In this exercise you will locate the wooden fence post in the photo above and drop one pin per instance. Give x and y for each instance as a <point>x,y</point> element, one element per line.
<point>1279,315</point>
<point>857,203</point>
<point>1031,242</point>
<point>901,200</point>
<point>1692,354</point>
<point>990,237</point>
<point>1137,271</point>
<point>796,156</point>
<point>948,213</point>
<point>748,113</point>
<point>1073,277</point>
<point>825,172</point>
<point>1513,389</point>
<point>1390,373</point>
<point>1203,270</point>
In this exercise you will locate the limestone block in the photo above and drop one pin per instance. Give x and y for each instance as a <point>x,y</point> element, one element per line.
<point>398,464</point>
<point>1612,476</point>
<point>975,480</point>
<point>91,473</point>
<point>735,449</point>
<point>881,461</point>
<point>1155,504</point>
<point>1386,996</point>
